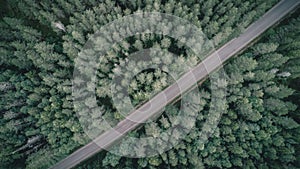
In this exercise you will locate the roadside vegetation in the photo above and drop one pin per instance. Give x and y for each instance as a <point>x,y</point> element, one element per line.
<point>259,127</point>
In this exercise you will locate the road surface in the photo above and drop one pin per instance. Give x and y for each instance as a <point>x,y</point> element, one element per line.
<point>153,106</point>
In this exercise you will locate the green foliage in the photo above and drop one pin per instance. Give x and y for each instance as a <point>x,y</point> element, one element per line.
<point>259,127</point>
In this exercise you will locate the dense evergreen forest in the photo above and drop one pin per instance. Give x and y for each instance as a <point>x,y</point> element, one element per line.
<point>259,127</point>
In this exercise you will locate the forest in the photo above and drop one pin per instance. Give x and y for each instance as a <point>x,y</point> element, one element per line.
<point>40,40</point>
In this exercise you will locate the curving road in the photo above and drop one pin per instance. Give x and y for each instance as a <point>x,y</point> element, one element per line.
<point>153,106</point>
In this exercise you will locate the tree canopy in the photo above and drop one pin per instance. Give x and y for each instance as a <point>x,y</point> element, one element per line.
<point>259,97</point>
